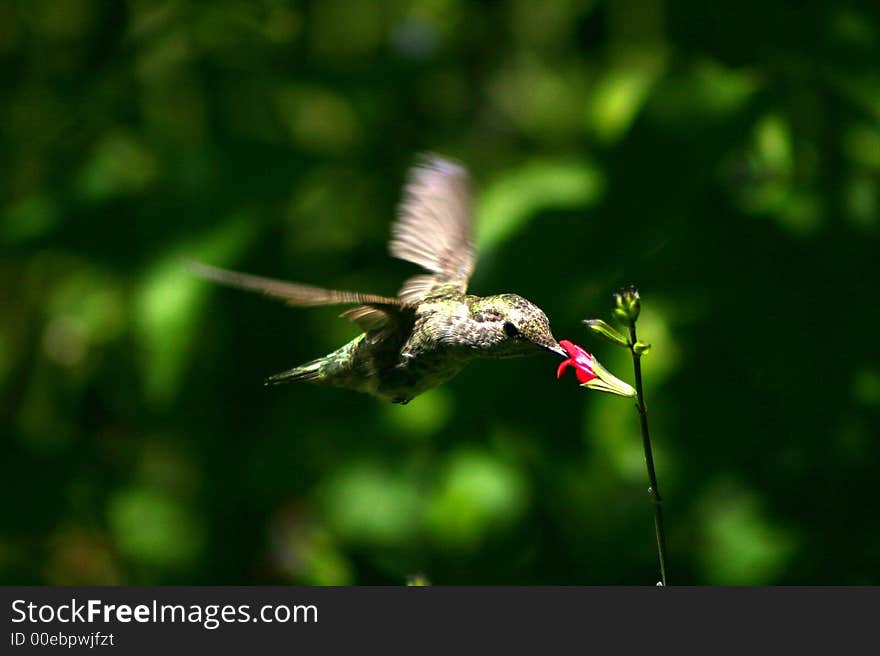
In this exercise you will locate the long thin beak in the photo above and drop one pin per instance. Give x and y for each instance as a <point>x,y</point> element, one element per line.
<point>556,348</point>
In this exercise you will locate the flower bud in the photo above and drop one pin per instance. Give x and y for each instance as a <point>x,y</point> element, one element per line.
<point>641,348</point>
<point>603,329</point>
<point>627,305</point>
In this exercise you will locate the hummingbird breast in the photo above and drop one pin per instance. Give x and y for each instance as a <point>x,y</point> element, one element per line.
<point>401,361</point>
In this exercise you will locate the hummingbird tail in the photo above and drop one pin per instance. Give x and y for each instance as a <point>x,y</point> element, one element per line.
<point>310,371</point>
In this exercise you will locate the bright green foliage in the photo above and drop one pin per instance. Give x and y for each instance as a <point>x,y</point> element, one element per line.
<point>724,160</point>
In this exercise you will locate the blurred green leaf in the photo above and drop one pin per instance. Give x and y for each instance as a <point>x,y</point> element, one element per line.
<point>707,91</point>
<point>120,164</point>
<point>742,546</point>
<point>369,504</point>
<point>153,529</point>
<point>477,492</point>
<point>318,119</point>
<point>517,196</point>
<point>30,218</point>
<point>310,554</point>
<point>621,92</point>
<point>866,387</point>
<point>423,416</point>
<point>169,303</point>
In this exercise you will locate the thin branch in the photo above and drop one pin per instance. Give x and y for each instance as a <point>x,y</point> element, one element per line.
<point>653,487</point>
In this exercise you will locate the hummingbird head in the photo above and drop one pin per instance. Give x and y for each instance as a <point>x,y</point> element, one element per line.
<point>509,326</point>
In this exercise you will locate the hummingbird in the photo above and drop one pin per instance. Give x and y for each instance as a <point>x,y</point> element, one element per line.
<point>433,328</point>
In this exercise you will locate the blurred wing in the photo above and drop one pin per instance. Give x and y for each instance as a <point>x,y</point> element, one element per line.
<point>369,317</point>
<point>433,229</point>
<point>373,312</point>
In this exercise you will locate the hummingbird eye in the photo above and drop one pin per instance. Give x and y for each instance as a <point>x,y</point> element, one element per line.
<point>510,330</point>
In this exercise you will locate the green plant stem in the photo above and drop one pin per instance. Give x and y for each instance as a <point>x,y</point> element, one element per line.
<point>653,488</point>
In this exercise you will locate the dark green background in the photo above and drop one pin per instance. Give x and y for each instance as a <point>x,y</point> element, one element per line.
<point>725,160</point>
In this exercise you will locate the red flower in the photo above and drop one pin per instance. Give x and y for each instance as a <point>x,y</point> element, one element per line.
<point>579,359</point>
<point>590,372</point>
